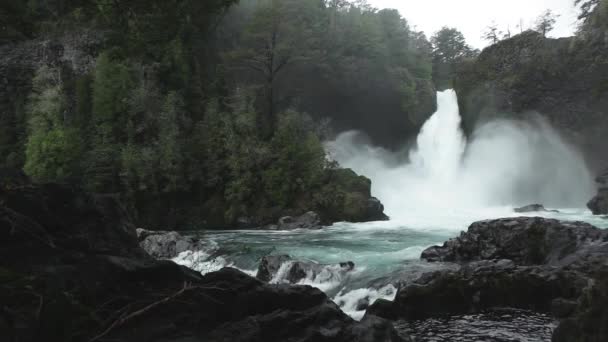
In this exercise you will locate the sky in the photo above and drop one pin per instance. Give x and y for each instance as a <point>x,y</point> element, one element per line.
<point>472,17</point>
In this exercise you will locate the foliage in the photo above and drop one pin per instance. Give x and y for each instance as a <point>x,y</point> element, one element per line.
<point>449,50</point>
<point>53,147</point>
<point>492,33</point>
<point>586,7</point>
<point>202,109</point>
<point>336,59</point>
<point>546,22</point>
<point>111,84</point>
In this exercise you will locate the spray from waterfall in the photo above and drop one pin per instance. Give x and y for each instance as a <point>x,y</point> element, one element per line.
<point>505,163</point>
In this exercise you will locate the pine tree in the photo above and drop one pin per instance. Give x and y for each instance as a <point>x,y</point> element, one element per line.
<point>546,22</point>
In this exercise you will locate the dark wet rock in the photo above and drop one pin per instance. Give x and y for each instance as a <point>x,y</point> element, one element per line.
<point>483,285</point>
<point>590,319</point>
<point>166,245</point>
<point>259,312</point>
<point>383,308</point>
<point>362,304</point>
<point>294,271</point>
<point>536,264</point>
<point>349,265</point>
<point>499,325</point>
<point>375,210</point>
<point>269,266</point>
<point>309,220</point>
<point>71,269</point>
<point>533,208</point>
<point>561,307</point>
<point>525,241</point>
<point>599,204</point>
<point>347,197</point>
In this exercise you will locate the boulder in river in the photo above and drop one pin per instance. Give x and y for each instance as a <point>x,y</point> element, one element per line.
<point>533,208</point>
<point>309,220</point>
<point>71,269</point>
<point>524,240</point>
<point>537,264</point>
<point>287,270</point>
<point>375,210</point>
<point>165,244</point>
<point>599,204</point>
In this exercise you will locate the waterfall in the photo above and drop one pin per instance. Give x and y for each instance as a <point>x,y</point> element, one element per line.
<point>441,142</point>
<point>505,163</point>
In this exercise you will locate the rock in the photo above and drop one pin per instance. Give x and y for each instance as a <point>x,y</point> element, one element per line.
<point>533,208</point>
<point>166,245</point>
<point>483,285</point>
<point>269,266</point>
<point>375,210</point>
<point>535,264</point>
<point>244,222</point>
<point>362,304</point>
<point>346,196</point>
<point>71,266</point>
<point>259,312</point>
<point>524,240</point>
<point>383,308</point>
<point>590,319</point>
<point>561,307</point>
<point>294,271</point>
<point>309,220</point>
<point>599,204</point>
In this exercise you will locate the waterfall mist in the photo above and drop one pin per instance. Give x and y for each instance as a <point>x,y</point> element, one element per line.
<point>505,163</point>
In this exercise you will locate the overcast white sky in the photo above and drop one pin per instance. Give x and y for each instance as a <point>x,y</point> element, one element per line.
<point>471,17</point>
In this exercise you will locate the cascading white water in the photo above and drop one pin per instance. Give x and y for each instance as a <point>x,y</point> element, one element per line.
<point>506,163</point>
<point>431,192</point>
<point>441,143</point>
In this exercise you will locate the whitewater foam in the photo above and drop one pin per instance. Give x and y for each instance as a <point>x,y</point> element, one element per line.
<point>447,179</point>
<point>355,302</point>
<point>203,262</point>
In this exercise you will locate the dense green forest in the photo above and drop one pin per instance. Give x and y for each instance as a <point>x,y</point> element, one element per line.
<point>214,112</point>
<point>214,109</point>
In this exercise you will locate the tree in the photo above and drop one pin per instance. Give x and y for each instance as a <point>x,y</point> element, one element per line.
<point>449,49</point>
<point>492,34</point>
<point>53,148</point>
<point>507,34</point>
<point>587,7</point>
<point>111,86</point>
<point>280,33</point>
<point>546,22</point>
<point>169,142</point>
<point>449,45</point>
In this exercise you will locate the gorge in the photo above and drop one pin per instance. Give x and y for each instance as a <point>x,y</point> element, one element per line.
<point>299,170</point>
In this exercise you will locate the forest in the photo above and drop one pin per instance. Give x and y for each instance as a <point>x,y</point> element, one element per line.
<point>218,107</point>
<point>302,171</point>
<point>215,112</point>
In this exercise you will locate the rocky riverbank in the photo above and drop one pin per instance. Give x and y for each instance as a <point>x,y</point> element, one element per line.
<point>526,263</point>
<point>71,269</point>
<point>599,203</point>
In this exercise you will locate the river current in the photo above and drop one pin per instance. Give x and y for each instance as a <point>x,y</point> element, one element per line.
<point>432,190</point>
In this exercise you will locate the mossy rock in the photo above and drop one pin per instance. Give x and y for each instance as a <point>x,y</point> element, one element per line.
<point>348,181</point>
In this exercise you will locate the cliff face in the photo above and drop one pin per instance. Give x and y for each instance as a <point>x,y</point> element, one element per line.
<point>565,80</point>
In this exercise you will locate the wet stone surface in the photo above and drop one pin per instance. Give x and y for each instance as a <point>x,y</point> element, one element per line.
<point>495,326</point>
